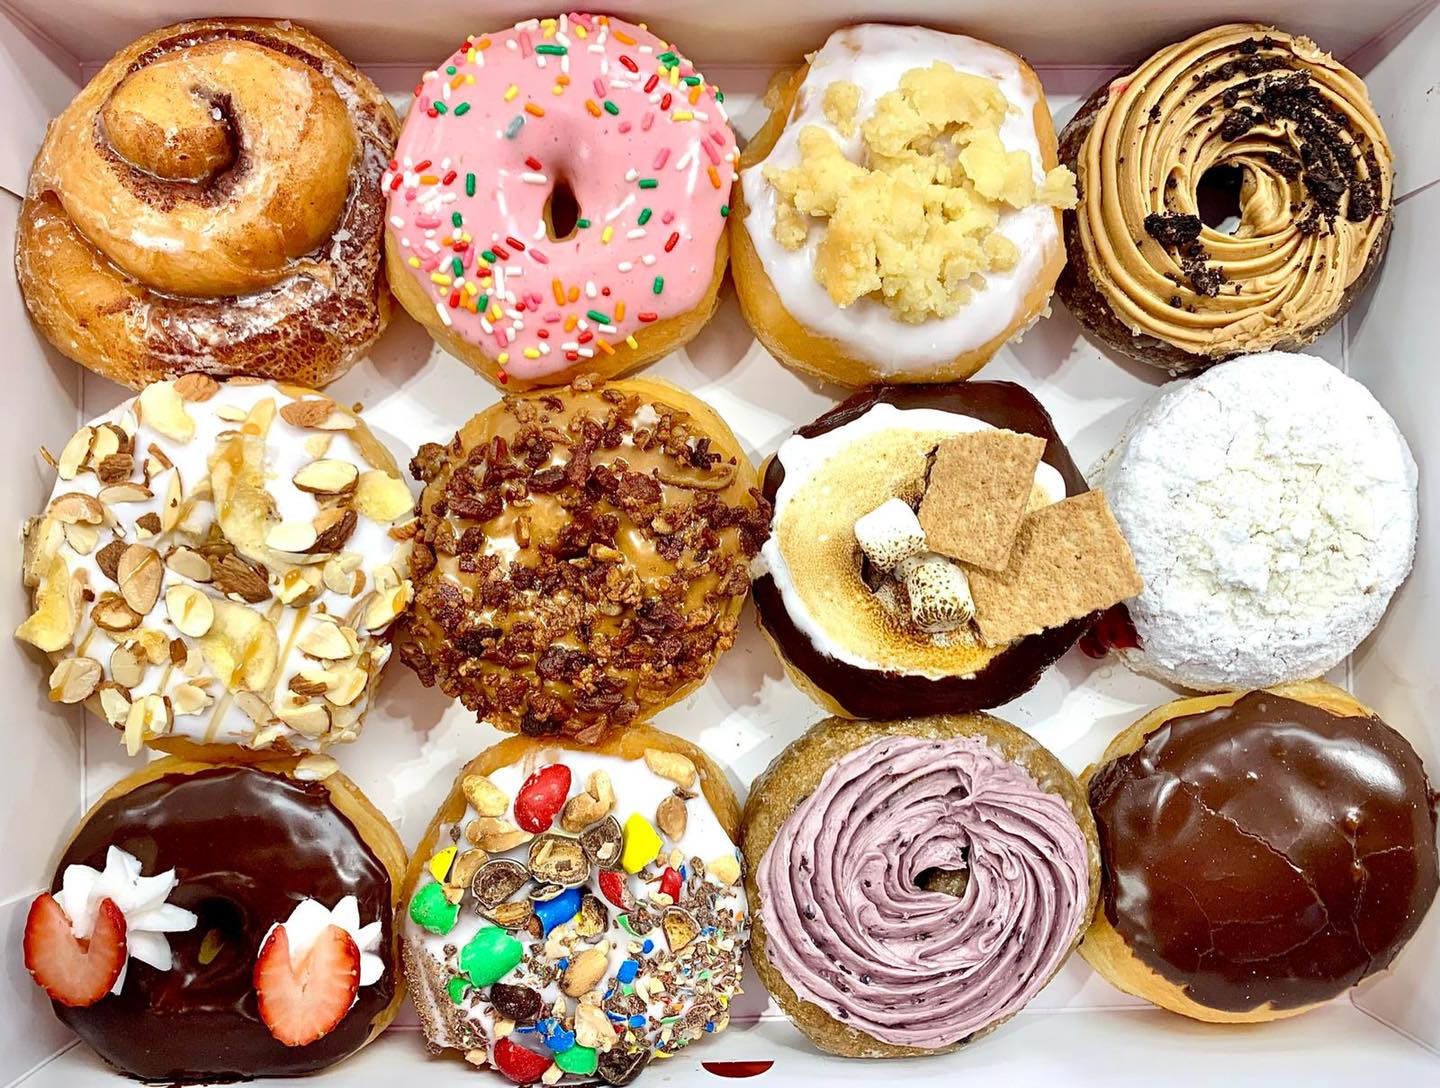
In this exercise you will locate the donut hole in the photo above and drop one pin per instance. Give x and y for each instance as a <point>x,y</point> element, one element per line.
<point>562,212</point>
<point>946,881</point>
<point>222,935</point>
<point>1217,197</point>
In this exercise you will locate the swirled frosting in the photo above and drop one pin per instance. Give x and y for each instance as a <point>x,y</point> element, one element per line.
<point>850,927</point>
<point>1315,186</point>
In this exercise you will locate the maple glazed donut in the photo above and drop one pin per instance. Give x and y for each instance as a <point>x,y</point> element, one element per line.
<point>211,202</point>
<point>220,564</point>
<point>914,883</point>
<point>582,557</point>
<point>897,218</point>
<point>1263,852</point>
<point>558,201</point>
<point>575,912</point>
<point>1286,139</point>
<point>219,921</point>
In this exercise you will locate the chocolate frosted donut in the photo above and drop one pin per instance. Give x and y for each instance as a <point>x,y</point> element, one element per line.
<point>1242,109</point>
<point>1263,852</point>
<point>243,848</point>
<point>918,882</point>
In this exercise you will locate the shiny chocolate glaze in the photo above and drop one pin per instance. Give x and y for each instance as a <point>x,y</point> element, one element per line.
<point>1269,851</point>
<point>872,693</point>
<point>246,847</point>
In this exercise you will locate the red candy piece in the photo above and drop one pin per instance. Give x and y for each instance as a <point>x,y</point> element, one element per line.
<point>670,884</point>
<point>74,972</point>
<point>612,887</point>
<point>300,1004</point>
<point>520,1065</point>
<point>541,797</point>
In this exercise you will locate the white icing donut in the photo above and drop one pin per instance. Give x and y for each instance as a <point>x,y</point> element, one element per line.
<point>875,57</point>
<point>1271,507</point>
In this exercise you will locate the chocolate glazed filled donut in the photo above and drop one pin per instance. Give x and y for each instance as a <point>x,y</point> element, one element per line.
<point>914,883</point>
<point>211,202</point>
<point>871,693</point>
<point>1241,115</point>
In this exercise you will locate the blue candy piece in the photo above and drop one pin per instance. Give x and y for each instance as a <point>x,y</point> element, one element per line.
<point>637,1021</point>
<point>648,946</point>
<point>627,971</point>
<point>555,1035</point>
<point>557,911</point>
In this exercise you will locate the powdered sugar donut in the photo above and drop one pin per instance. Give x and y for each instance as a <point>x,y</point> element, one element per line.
<point>558,199</point>
<point>1271,507</point>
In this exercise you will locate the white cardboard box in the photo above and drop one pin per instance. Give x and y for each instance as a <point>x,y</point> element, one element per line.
<point>1079,1030</point>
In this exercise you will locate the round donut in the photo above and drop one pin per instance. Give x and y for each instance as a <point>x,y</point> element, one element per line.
<point>576,911</point>
<point>208,865</point>
<point>1264,851</point>
<point>211,202</point>
<point>219,564</point>
<point>558,201</point>
<point>897,218</point>
<point>1271,506</point>
<point>582,557</point>
<point>853,649</point>
<point>1269,124</point>
<point>915,882</point>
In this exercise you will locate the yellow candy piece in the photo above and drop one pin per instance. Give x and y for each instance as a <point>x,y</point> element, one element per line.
<point>642,844</point>
<point>439,865</point>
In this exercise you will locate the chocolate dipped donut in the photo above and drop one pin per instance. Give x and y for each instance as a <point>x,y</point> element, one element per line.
<point>848,637</point>
<point>915,883</point>
<point>1248,110</point>
<point>1263,851</point>
<point>223,921</point>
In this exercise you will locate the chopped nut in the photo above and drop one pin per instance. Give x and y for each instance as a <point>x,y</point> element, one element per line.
<point>196,387</point>
<point>382,497</point>
<point>333,529</point>
<point>162,409</point>
<point>112,614</point>
<point>486,798</point>
<point>327,477</point>
<point>495,835</point>
<point>115,468</point>
<point>586,970</point>
<point>671,817</point>
<point>593,805</point>
<point>234,577</point>
<point>74,679</point>
<point>308,412</point>
<point>151,644</point>
<point>672,765</point>
<point>190,610</point>
<point>725,868</point>
<point>140,575</point>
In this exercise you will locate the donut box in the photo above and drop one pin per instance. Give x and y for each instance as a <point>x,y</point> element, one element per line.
<point>1078,1029</point>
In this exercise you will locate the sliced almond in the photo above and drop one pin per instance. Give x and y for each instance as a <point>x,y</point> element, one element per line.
<point>345,685</point>
<point>298,585</point>
<point>316,767</point>
<point>196,388</point>
<point>327,641</point>
<point>189,563</point>
<point>327,477</point>
<point>127,668</point>
<point>76,508</point>
<point>333,529</point>
<point>310,720</point>
<point>111,613</point>
<point>307,412</point>
<point>382,497</point>
<point>161,408</point>
<point>43,537</point>
<point>82,538</point>
<point>191,611</point>
<point>57,609</point>
<point>259,712</point>
<point>140,574</point>
<point>338,420</point>
<point>114,703</point>
<point>74,679</point>
<point>75,453</point>
<point>384,607</point>
<point>172,494</point>
<point>149,718</point>
<point>318,445</point>
<point>236,578</point>
<point>109,439</point>
<point>116,494</point>
<point>291,536</point>
<point>339,572</point>
<point>189,699</point>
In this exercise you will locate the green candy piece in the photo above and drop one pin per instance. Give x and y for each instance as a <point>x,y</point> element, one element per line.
<point>429,909</point>
<point>490,955</point>
<point>580,1060</point>
<point>459,989</point>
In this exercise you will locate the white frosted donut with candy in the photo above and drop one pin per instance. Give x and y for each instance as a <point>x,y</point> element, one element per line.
<point>898,214</point>
<point>558,200</point>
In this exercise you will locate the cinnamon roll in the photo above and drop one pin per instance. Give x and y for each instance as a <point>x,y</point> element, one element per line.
<point>1243,118</point>
<point>211,202</point>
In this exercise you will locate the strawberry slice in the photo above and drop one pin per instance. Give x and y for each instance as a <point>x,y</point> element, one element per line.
<point>304,1002</point>
<point>72,971</point>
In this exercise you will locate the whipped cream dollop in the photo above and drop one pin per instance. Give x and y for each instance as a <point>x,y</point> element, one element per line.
<point>141,899</point>
<point>310,918</point>
<point>852,930</point>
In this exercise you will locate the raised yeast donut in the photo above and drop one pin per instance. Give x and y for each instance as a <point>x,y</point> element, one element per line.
<point>183,878</point>
<point>1292,136</point>
<point>558,201</point>
<point>211,202</point>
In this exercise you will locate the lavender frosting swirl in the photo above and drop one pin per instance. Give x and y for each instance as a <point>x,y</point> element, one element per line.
<point>851,930</point>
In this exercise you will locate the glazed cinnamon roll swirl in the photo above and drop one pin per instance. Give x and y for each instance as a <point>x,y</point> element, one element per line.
<point>211,202</point>
<point>1248,111</point>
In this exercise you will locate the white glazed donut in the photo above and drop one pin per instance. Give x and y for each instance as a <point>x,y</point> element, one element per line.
<point>1271,507</point>
<point>795,315</point>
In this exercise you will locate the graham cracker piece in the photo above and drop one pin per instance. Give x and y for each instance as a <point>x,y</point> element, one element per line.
<point>1069,560</point>
<point>976,495</point>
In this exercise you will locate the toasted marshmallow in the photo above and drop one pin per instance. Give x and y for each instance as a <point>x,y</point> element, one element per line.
<point>939,592</point>
<point>890,534</point>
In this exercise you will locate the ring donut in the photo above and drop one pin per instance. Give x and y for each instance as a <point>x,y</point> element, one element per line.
<point>211,202</point>
<point>1293,134</point>
<point>558,201</point>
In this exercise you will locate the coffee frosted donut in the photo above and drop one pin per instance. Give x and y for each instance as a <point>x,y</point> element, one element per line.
<point>916,882</point>
<point>211,202</point>
<point>558,200</point>
<point>1263,852</point>
<point>897,218</point>
<point>1277,121</point>
<point>239,919</point>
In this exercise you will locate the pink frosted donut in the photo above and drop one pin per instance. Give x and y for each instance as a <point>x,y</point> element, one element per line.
<point>558,198</point>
